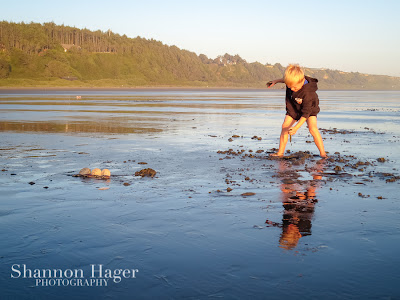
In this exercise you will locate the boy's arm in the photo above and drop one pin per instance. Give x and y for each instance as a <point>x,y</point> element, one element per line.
<point>296,127</point>
<point>306,111</point>
<point>275,81</point>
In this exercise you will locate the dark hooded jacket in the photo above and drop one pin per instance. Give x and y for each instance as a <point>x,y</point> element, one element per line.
<point>304,102</point>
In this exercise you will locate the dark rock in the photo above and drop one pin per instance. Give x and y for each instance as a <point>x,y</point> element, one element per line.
<point>337,169</point>
<point>146,173</point>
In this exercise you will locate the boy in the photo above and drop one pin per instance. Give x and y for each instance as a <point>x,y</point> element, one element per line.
<point>302,105</point>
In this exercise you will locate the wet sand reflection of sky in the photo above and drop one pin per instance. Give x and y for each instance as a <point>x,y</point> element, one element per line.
<point>267,233</point>
<point>122,114</point>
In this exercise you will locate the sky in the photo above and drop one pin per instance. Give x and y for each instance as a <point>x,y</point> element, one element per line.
<point>354,36</point>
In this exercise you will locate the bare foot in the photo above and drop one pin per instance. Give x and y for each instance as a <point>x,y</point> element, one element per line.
<point>276,155</point>
<point>324,155</point>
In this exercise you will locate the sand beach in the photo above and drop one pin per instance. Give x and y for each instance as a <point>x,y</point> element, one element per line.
<point>219,218</point>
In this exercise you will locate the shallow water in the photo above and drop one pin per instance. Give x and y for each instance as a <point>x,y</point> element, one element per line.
<point>308,231</point>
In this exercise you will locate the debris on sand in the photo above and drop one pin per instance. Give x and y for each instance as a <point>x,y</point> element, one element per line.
<point>381,159</point>
<point>393,179</point>
<point>272,224</point>
<point>337,168</point>
<point>388,177</point>
<point>248,194</point>
<point>258,227</point>
<point>256,138</point>
<point>335,131</point>
<point>146,173</point>
<point>96,173</point>
<point>288,181</point>
<point>363,196</point>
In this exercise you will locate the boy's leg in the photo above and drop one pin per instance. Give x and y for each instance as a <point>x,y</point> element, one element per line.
<point>287,123</point>
<point>312,126</point>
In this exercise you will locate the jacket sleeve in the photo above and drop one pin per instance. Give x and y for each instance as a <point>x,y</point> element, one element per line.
<point>308,104</point>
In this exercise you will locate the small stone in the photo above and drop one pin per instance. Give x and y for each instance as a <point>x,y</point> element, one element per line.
<point>126,184</point>
<point>85,172</point>
<point>31,183</point>
<point>105,173</point>
<point>381,159</point>
<point>96,172</point>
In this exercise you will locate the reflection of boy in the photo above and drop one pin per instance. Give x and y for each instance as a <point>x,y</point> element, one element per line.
<point>298,201</point>
<point>290,237</point>
<point>302,105</point>
<point>297,216</point>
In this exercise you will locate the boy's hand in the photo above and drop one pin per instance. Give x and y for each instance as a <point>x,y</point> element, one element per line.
<point>292,130</point>
<point>275,81</point>
<point>270,83</point>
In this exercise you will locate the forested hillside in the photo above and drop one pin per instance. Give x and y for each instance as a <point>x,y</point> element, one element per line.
<point>56,55</point>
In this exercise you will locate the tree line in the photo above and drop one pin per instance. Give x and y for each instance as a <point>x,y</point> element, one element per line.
<point>40,54</point>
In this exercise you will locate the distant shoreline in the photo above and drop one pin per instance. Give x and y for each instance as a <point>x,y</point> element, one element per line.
<point>26,90</point>
<point>154,88</point>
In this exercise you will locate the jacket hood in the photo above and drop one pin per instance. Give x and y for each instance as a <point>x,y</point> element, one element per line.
<point>311,86</point>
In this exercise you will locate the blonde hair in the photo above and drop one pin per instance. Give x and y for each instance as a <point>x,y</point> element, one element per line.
<point>293,75</point>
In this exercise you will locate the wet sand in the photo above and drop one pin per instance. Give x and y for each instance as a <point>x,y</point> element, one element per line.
<point>220,219</point>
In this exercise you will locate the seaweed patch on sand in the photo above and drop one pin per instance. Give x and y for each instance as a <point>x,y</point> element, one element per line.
<point>345,168</point>
<point>298,175</point>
